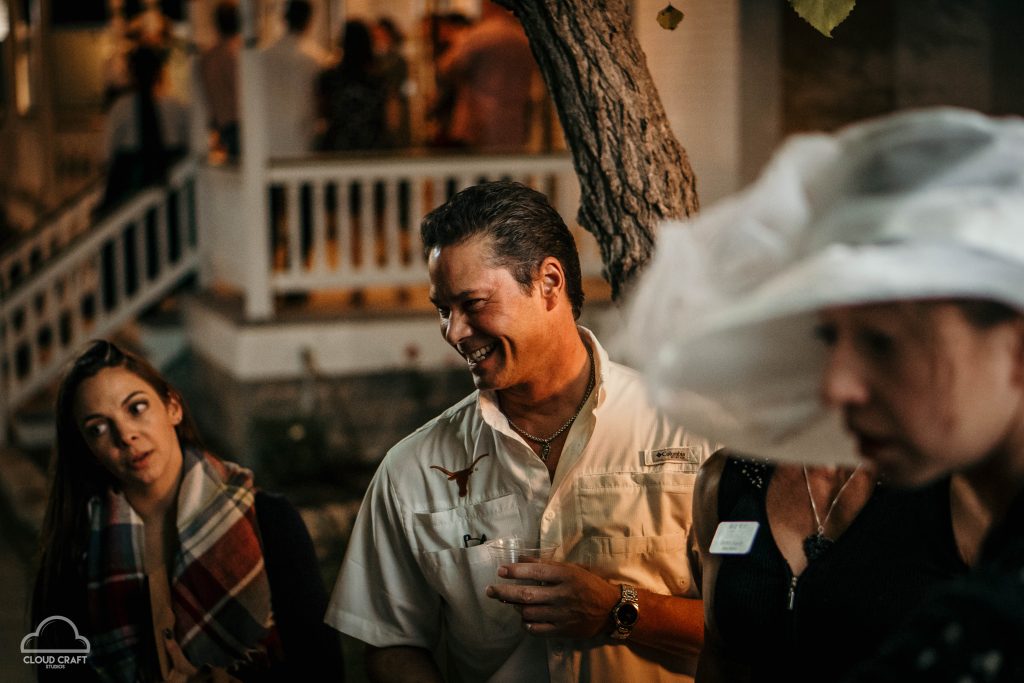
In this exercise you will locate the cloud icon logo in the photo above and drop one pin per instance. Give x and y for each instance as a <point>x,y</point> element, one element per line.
<point>66,633</point>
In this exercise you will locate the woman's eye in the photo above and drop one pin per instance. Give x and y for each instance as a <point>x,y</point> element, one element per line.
<point>826,334</point>
<point>138,407</point>
<point>443,312</point>
<point>95,429</point>
<point>877,343</point>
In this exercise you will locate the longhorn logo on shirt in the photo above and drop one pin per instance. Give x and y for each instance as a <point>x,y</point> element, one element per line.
<point>462,476</point>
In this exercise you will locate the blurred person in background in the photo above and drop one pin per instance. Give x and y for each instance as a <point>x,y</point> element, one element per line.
<point>393,70</point>
<point>442,32</point>
<point>290,69</point>
<point>218,70</point>
<point>146,130</point>
<point>352,96</point>
<point>491,69</point>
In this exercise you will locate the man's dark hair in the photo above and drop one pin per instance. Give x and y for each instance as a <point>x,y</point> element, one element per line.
<point>297,15</point>
<point>226,17</point>
<point>523,227</point>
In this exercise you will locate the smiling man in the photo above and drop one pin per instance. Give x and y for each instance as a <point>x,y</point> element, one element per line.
<point>558,445</point>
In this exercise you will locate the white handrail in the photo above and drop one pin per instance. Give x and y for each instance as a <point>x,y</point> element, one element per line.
<point>96,283</point>
<point>20,261</point>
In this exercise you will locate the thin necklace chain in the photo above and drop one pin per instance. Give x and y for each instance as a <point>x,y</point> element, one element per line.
<point>545,444</point>
<point>814,508</point>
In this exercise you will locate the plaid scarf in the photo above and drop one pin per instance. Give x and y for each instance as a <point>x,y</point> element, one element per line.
<point>220,595</point>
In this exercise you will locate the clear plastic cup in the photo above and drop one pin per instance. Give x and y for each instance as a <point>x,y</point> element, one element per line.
<point>513,549</point>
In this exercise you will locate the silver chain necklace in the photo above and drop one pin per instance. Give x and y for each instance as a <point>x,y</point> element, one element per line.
<point>817,544</point>
<point>545,444</point>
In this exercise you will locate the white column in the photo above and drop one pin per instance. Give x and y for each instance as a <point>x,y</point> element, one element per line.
<point>259,303</point>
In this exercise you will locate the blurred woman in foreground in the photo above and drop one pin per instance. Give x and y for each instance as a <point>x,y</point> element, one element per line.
<point>865,298</point>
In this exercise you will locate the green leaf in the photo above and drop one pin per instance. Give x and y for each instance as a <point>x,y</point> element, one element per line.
<point>669,18</point>
<point>823,15</point>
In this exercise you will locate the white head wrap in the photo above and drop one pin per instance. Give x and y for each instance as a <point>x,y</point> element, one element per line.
<point>916,205</point>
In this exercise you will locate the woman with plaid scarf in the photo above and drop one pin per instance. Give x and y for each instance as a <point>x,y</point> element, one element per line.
<point>169,561</point>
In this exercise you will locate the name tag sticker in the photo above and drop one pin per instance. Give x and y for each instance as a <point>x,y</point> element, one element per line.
<point>683,454</point>
<point>734,538</point>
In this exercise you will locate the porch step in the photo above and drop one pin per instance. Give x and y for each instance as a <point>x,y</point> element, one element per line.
<point>162,335</point>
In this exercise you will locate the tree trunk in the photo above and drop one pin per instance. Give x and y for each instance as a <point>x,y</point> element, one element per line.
<point>633,172</point>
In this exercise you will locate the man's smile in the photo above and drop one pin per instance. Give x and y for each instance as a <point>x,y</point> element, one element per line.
<point>478,354</point>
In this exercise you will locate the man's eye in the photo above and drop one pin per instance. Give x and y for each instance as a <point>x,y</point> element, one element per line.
<point>474,304</point>
<point>443,312</point>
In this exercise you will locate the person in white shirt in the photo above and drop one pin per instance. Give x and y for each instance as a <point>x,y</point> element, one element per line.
<point>493,70</point>
<point>558,445</point>
<point>146,130</point>
<point>290,68</point>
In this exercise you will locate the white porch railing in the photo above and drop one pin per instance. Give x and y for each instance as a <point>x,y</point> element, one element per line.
<point>71,282</point>
<point>355,223</point>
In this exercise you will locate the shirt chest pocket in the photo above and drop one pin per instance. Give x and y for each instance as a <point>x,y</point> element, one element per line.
<point>461,574</point>
<point>634,527</point>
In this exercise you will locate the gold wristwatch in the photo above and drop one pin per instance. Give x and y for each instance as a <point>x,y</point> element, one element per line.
<point>626,612</point>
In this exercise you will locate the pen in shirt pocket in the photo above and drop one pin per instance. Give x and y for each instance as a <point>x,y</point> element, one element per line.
<point>469,541</point>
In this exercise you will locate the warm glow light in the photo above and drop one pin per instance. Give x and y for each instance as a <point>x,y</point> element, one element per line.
<point>5,21</point>
<point>22,92</point>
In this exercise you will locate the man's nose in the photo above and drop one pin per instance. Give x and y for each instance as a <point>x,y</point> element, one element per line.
<point>457,328</point>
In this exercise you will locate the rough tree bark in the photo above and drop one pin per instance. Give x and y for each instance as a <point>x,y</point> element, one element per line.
<point>633,172</point>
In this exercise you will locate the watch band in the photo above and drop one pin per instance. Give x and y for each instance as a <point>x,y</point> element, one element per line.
<point>626,612</point>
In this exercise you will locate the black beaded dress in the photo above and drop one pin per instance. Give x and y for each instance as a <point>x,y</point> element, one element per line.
<point>816,626</point>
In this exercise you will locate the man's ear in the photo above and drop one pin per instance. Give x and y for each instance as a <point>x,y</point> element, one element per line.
<point>551,280</point>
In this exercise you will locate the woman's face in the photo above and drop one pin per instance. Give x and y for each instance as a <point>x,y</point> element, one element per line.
<point>924,391</point>
<point>130,429</point>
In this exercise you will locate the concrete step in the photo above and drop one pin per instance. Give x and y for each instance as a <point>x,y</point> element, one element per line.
<point>15,588</point>
<point>23,489</point>
<point>161,333</point>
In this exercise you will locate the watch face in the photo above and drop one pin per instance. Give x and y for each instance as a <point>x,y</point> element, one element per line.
<point>626,614</point>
